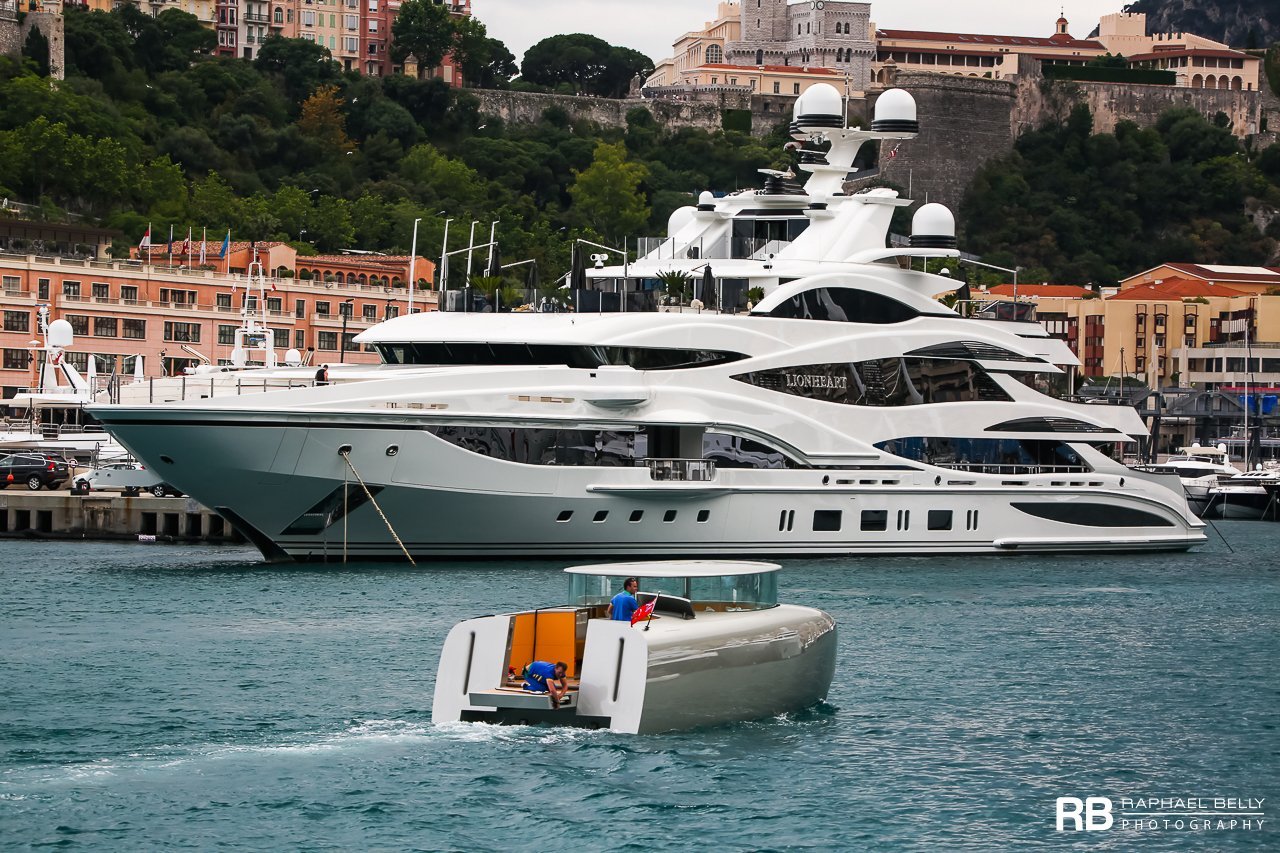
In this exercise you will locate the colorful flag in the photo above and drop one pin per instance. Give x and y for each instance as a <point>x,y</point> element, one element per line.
<point>644,611</point>
<point>145,244</point>
<point>226,245</point>
<point>186,245</point>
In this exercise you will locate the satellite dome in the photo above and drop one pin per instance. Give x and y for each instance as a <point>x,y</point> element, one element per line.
<point>895,113</point>
<point>706,200</point>
<point>60,334</point>
<point>679,218</point>
<point>820,106</point>
<point>293,358</point>
<point>933,227</point>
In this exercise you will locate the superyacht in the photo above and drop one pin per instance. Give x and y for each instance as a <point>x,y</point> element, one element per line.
<point>847,412</point>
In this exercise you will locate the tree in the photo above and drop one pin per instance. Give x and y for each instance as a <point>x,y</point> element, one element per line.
<point>301,65</point>
<point>585,63</point>
<point>36,48</point>
<point>484,62</point>
<point>323,121</point>
<point>424,29</point>
<point>606,195</point>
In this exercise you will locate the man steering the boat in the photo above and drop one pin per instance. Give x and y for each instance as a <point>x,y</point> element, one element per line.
<point>543,677</point>
<point>624,603</point>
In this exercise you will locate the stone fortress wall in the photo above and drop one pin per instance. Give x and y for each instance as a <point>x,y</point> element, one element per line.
<point>13,35</point>
<point>964,121</point>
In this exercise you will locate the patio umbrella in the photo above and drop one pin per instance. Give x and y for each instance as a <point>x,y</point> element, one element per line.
<point>709,300</point>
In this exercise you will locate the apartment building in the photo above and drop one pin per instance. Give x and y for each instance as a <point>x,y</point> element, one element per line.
<point>119,309</point>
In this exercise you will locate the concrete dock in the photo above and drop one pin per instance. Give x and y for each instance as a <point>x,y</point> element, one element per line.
<point>108,515</point>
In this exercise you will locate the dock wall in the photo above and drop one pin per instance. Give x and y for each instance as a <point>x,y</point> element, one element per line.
<point>63,515</point>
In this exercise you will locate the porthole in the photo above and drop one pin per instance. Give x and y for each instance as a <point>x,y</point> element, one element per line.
<point>393,450</point>
<point>565,515</point>
<point>168,460</point>
<point>669,516</point>
<point>703,515</point>
<point>636,515</point>
<point>600,516</point>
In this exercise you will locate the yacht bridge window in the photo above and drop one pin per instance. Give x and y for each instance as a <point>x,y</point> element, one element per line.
<point>845,305</point>
<point>571,355</point>
<point>883,382</point>
<point>989,455</point>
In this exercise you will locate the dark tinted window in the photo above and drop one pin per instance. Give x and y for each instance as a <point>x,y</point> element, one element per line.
<point>939,519</point>
<point>882,382</point>
<point>966,453</point>
<point>875,519</point>
<point>844,305</point>
<point>641,358</point>
<point>826,519</point>
<point>1094,515</point>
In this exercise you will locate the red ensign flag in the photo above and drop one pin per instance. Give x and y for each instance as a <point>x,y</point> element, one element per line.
<point>644,611</point>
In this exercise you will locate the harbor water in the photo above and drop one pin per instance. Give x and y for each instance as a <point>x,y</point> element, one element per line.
<point>170,697</point>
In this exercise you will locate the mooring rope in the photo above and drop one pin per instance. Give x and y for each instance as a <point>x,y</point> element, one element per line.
<point>374,501</point>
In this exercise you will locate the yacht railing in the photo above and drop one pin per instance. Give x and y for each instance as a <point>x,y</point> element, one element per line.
<point>692,470</point>
<point>1013,469</point>
<point>53,432</point>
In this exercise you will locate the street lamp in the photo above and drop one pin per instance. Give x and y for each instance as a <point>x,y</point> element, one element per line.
<point>413,262</point>
<point>300,233</point>
<point>444,262</point>
<point>342,343</point>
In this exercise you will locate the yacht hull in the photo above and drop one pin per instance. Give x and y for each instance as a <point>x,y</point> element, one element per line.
<point>291,492</point>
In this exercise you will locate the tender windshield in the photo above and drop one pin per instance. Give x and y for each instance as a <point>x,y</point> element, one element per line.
<point>732,592</point>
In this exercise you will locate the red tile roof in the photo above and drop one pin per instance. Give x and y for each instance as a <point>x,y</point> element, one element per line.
<point>997,41</point>
<point>1176,288</point>
<point>1047,291</point>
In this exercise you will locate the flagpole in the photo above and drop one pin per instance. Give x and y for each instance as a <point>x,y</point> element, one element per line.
<point>170,245</point>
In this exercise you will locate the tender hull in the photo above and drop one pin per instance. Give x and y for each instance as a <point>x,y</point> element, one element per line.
<point>283,486</point>
<point>680,674</point>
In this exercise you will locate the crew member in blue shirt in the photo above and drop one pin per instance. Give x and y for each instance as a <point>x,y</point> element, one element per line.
<point>543,677</point>
<point>624,603</point>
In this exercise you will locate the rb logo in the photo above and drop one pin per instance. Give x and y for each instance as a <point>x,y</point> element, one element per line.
<point>1091,814</point>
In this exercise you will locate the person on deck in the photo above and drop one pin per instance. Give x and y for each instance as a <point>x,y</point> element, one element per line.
<point>624,603</point>
<point>543,677</point>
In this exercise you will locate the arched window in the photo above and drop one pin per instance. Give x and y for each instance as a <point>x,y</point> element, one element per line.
<point>715,53</point>
<point>279,15</point>
<point>759,57</point>
<point>1197,82</point>
<point>1237,83</point>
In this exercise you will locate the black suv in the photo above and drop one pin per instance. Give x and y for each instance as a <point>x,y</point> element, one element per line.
<point>32,469</point>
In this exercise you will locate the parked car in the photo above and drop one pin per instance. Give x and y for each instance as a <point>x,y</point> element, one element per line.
<point>33,469</point>
<point>129,476</point>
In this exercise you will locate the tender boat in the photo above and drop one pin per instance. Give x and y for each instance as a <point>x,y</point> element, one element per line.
<point>849,411</point>
<point>719,648</point>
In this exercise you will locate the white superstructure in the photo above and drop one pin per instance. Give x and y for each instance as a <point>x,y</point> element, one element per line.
<point>848,413</point>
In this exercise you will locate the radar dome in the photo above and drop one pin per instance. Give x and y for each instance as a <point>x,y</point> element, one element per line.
<point>679,218</point>
<point>706,200</point>
<point>933,227</point>
<point>895,113</point>
<point>820,106</point>
<point>60,334</point>
<point>293,358</point>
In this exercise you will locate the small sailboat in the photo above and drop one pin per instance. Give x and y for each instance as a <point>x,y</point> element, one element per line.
<point>714,646</point>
